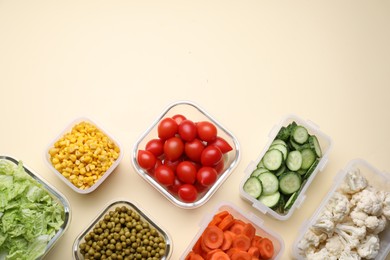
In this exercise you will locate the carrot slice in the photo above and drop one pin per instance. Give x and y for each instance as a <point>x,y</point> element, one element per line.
<point>242,242</point>
<point>197,248</point>
<point>220,255</point>
<point>218,218</point>
<point>227,240</point>
<point>266,248</point>
<point>255,240</point>
<point>231,251</point>
<point>212,237</point>
<point>254,251</point>
<point>193,256</point>
<point>249,230</point>
<point>226,222</point>
<point>238,226</point>
<point>241,255</point>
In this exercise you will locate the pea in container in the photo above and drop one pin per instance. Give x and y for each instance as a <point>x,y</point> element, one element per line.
<point>73,152</point>
<point>55,195</point>
<point>322,147</point>
<point>136,221</point>
<point>239,215</point>
<point>376,180</point>
<point>193,112</point>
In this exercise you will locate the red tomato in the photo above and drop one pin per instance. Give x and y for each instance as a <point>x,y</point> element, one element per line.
<point>146,159</point>
<point>221,144</point>
<point>167,128</point>
<point>206,131</point>
<point>187,130</point>
<point>206,176</point>
<point>174,188</point>
<point>187,192</point>
<point>164,175</point>
<point>173,148</point>
<point>178,118</point>
<point>220,166</point>
<point>155,146</point>
<point>172,164</point>
<point>211,156</point>
<point>194,149</point>
<point>186,172</point>
<point>158,163</point>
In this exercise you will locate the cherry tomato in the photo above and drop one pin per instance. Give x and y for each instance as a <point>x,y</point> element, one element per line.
<point>206,176</point>
<point>220,166</point>
<point>167,128</point>
<point>194,149</point>
<point>221,144</point>
<point>174,188</point>
<point>187,192</point>
<point>146,159</point>
<point>186,172</point>
<point>206,131</point>
<point>172,164</point>
<point>211,156</point>
<point>164,175</point>
<point>187,130</point>
<point>178,118</point>
<point>173,148</point>
<point>158,163</point>
<point>155,146</point>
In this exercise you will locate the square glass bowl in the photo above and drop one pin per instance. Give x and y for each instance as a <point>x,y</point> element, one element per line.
<point>77,158</point>
<point>325,144</point>
<point>112,207</point>
<point>238,214</point>
<point>192,112</point>
<point>375,178</point>
<point>55,194</point>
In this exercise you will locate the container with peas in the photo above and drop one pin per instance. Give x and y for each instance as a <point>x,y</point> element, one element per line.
<point>122,231</point>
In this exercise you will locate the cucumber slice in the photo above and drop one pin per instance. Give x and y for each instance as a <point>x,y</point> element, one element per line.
<point>258,171</point>
<point>281,170</point>
<point>300,134</point>
<point>260,164</point>
<point>311,169</point>
<point>289,182</point>
<point>291,200</point>
<point>273,159</point>
<point>279,141</point>
<point>313,141</point>
<point>253,187</point>
<point>294,160</point>
<point>308,158</point>
<point>281,148</point>
<point>271,200</point>
<point>269,182</point>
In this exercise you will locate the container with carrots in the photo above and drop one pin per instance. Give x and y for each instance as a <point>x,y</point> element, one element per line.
<point>231,234</point>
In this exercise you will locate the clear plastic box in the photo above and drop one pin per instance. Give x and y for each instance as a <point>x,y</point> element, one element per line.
<point>103,177</point>
<point>55,194</point>
<point>379,180</point>
<point>193,112</point>
<point>247,218</point>
<point>325,144</point>
<point>129,205</point>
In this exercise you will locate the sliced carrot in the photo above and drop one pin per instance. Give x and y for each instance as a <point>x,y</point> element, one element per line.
<point>193,256</point>
<point>212,237</point>
<point>220,255</point>
<point>255,240</point>
<point>212,252</point>
<point>197,248</point>
<point>231,233</point>
<point>242,242</point>
<point>231,251</point>
<point>218,218</point>
<point>249,230</point>
<point>241,255</point>
<point>227,240</point>
<point>254,251</point>
<point>237,227</point>
<point>226,222</point>
<point>266,248</point>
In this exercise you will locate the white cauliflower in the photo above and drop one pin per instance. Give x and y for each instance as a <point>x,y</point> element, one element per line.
<point>334,245</point>
<point>375,224</point>
<point>350,235</point>
<point>369,247</point>
<point>349,255</point>
<point>354,182</point>
<point>321,255</point>
<point>386,204</point>
<point>324,223</point>
<point>339,206</point>
<point>368,202</point>
<point>309,240</point>
<point>358,217</point>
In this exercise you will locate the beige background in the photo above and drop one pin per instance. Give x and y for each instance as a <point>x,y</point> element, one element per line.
<point>248,63</point>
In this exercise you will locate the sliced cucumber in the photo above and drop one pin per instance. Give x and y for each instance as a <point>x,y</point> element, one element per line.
<point>300,134</point>
<point>269,182</point>
<point>258,171</point>
<point>294,160</point>
<point>271,200</point>
<point>311,169</point>
<point>279,141</point>
<point>291,200</point>
<point>308,158</point>
<point>313,141</point>
<point>289,182</point>
<point>281,170</point>
<point>281,148</point>
<point>273,159</point>
<point>253,187</point>
<point>260,164</point>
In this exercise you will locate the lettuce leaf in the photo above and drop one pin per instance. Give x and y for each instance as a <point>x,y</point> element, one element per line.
<point>29,216</point>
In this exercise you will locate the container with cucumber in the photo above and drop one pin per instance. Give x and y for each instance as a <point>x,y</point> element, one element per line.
<point>285,167</point>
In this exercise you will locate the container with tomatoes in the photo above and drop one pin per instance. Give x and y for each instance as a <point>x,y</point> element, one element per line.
<point>186,154</point>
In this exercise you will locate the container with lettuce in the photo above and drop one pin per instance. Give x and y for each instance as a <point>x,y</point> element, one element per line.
<point>30,216</point>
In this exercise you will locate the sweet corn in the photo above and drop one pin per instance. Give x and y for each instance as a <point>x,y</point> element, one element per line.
<point>83,155</point>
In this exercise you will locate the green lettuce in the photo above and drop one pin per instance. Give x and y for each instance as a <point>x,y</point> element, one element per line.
<point>29,216</point>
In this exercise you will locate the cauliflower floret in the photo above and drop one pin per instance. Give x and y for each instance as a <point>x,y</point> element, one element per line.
<point>375,224</point>
<point>334,245</point>
<point>309,240</point>
<point>324,223</point>
<point>321,255</point>
<point>369,247</point>
<point>385,197</point>
<point>358,217</point>
<point>354,182</point>
<point>350,235</point>
<point>368,202</point>
<point>349,255</point>
<point>339,206</point>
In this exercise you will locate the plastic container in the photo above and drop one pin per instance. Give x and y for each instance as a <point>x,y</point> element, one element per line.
<point>55,194</point>
<point>110,207</point>
<point>325,144</point>
<point>379,180</point>
<point>249,217</point>
<point>103,177</point>
<point>192,112</point>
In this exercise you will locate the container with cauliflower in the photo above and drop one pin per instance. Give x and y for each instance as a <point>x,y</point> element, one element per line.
<point>352,222</point>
